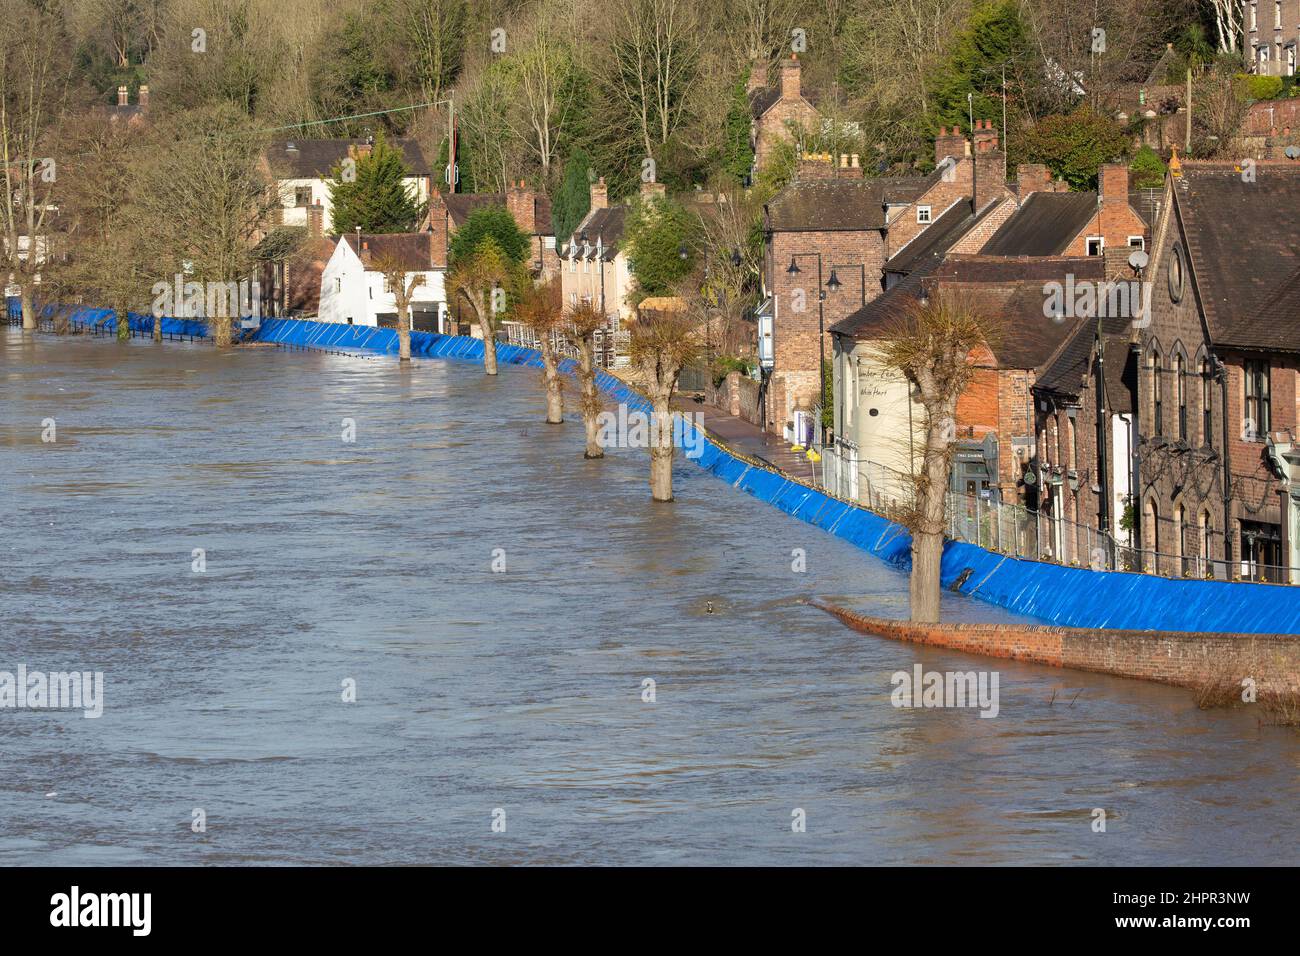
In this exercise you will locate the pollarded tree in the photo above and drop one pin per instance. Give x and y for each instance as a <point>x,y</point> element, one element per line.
<point>369,192</point>
<point>583,322</point>
<point>540,307</point>
<point>931,346</point>
<point>664,340</point>
<point>482,278</point>
<point>403,286</point>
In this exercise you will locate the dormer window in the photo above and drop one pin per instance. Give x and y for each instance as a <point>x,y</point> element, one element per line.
<point>923,214</point>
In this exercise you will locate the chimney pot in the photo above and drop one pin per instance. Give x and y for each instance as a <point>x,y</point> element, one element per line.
<point>121,96</point>
<point>144,96</point>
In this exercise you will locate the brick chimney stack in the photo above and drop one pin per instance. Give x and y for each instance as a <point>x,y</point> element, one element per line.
<point>1032,178</point>
<point>990,165</point>
<point>522,203</point>
<point>757,76</point>
<point>121,96</point>
<point>144,96</point>
<point>438,231</point>
<point>949,144</point>
<point>986,136</point>
<point>315,220</point>
<point>599,195</point>
<point>815,166</point>
<point>653,190</point>
<point>790,86</point>
<point>1114,183</point>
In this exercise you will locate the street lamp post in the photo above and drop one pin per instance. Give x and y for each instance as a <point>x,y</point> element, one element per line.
<point>834,284</point>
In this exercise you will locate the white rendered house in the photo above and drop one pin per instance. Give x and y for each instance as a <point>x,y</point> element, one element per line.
<point>354,290</point>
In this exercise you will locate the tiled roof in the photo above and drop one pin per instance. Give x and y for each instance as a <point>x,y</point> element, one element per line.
<point>605,225</point>
<point>831,205</point>
<point>936,239</point>
<point>1010,290</point>
<point>1044,225</point>
<point>1065,371</point>
<point>413,250</point>
<point>1243,239</point>
<point>762,100</point>
<point>316,158</point>
<point>460,205</point>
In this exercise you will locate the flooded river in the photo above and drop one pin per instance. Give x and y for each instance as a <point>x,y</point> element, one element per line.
<point>200,531</point>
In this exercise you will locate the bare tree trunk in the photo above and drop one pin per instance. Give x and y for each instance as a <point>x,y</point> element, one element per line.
<point>931,501</point>
<point>661,452</point>
<point>551,376</point>
<point>26,299</point>
<point>403,334</point>
<point>222,334</point>
<point>489,347</point>
<point>591,403</point>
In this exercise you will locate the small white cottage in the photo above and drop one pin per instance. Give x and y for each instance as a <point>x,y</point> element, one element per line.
<point>354,290</point>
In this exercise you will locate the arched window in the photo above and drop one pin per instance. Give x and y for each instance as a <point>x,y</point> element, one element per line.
<point>1180,393</point>
<point>1178,539</point>
<point>1207,404</point>
<point>1153,372</point>
<point>1207,538</point>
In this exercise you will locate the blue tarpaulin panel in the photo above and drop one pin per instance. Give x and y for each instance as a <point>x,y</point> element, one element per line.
<point>1075,597</point>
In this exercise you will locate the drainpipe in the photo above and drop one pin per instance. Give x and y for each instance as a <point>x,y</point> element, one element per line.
<point>1103,456</point>
<point>1135,479</point>
<point>1222,371</point>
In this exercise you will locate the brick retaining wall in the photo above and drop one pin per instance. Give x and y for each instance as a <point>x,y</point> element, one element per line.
<point>1184,658</point>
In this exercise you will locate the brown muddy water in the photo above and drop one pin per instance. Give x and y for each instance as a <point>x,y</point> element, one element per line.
<point>372,562</point>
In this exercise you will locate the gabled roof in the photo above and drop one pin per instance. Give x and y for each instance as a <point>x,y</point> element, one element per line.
<point>316,158</point>
<point>1243,239</point>
<point>603,227</point>
<point>762,100</point>
<point>937,238</point>
<point>1064,373</point>
<point>1044,226</point>
<point>413,250</point>
<point>461,205</point>
<point>839,205</point>
<point>1010,290</point>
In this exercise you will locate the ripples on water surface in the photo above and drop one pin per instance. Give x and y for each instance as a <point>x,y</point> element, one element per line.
<point>521,690</point>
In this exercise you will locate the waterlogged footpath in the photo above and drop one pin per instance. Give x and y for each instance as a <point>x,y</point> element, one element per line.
<point>330,565</point>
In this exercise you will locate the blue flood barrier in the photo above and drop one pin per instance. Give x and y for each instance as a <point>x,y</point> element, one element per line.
<point>1070,597</point>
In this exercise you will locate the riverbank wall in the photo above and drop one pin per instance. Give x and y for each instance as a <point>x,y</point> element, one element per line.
<point>1061,596</point>
<point>1185,659</point>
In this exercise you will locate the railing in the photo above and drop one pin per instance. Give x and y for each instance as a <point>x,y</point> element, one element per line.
<point>1017,531</point>
<point>611,345</point>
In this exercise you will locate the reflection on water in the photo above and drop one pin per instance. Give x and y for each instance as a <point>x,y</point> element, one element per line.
<point>372,561</point>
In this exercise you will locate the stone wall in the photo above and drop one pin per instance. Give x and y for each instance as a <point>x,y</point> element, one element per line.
<point>1183,658</point>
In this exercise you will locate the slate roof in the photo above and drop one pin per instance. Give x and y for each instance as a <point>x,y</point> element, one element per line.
<point>460,205</point>
<point>1065,371</point>
<point>938,238</point>
<point>605,225</point>
<point>839,205</point>
<point>1009,289</point>
<point>413,250</point>
<point>316,158</point>
<point>762,100</point>
<point>1243,240</point>
<point>1044,226</point>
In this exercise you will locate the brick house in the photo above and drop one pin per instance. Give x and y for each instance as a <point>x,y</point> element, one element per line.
<point>530,209</point>
<point>774,110</point>
<point>829,237</point>
<point>882,424</point>
<point>1272,31</point>
<point>1049,222</point>
<point>1218,487</point>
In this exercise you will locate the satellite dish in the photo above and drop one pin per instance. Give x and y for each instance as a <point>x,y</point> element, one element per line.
<point>1292,152</point>
<point>1139,259</point>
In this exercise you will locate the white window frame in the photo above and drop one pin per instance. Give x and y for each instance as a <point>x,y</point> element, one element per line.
<point>1101,245</point>
<point>1254,16</point>
<point>1140,243</point>
<point>924,215</point>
